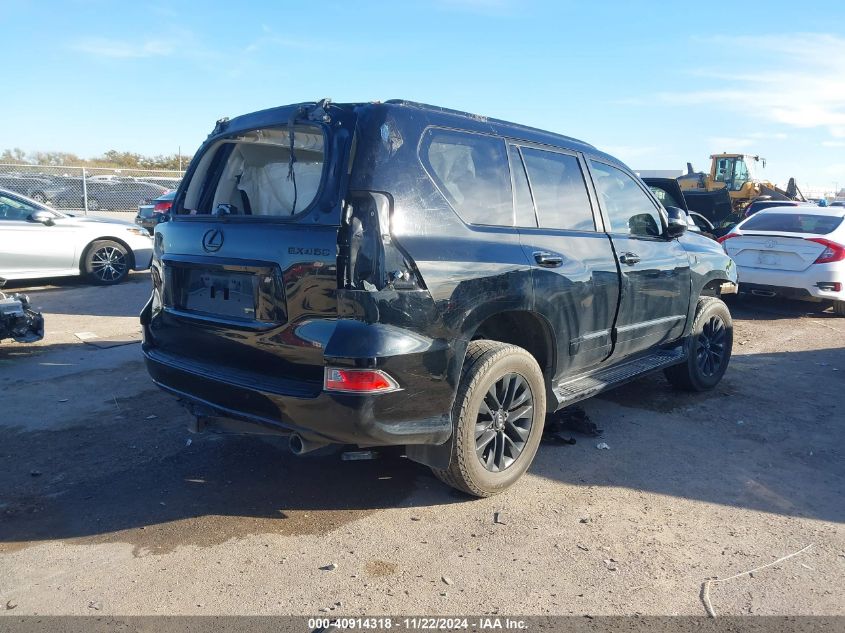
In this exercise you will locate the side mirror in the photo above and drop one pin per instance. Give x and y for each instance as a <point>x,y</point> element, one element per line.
<point>677,222</point>
<point>44,217</point>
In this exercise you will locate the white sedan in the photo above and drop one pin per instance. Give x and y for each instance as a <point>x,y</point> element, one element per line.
<point>794,252</point>
<point>37,241</point>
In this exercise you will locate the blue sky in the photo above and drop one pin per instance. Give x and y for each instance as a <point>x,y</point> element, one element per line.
<point>657,84</point>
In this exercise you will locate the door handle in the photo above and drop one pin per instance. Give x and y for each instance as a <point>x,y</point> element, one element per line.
<point>629,258</point>
<point>548,260</point>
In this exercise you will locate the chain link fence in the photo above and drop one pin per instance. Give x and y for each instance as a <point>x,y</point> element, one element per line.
<point>99,191</point>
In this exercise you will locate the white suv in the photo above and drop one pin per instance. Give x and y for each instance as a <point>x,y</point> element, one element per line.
<point>794,252</point>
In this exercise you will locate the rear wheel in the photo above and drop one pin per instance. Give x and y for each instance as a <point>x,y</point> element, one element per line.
<point>106,262</point>
<point>499,413</point>
<point>708,348</point>
<point>839,308</point>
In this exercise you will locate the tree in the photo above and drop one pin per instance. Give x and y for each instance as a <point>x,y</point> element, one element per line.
<point>111,159</point>
<point>16,155</point>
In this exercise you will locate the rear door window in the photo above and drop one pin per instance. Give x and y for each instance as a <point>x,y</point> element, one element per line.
<point>628,208</point>
<point>261,172</point>
<point>792,223</point>
<point>471,171</point>
<point>560,193</point>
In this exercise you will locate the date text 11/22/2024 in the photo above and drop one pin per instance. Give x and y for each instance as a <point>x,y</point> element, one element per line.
<point>419,623</point>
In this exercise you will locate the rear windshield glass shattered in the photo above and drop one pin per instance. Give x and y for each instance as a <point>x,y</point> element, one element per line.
<point>264,172</point>
<point>792,223</point>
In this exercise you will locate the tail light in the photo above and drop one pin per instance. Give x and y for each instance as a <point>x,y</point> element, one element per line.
<point>832,252</point>
<point>724,238</point>
<point>358,381</point>
<point>163,207</point>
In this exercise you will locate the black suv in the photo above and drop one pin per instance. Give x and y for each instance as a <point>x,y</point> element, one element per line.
<point>401,274</point>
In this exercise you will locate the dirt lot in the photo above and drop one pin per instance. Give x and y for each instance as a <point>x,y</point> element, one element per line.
<point>109,506</point>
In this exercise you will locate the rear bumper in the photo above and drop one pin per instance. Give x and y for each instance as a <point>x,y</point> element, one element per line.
<point>794,284</point>
<point>410,416</point>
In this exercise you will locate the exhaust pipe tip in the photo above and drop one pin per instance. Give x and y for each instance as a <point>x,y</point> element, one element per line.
<point>299,445</point>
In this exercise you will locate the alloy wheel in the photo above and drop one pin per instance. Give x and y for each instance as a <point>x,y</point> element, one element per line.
<point>710,346</point>
<point>504,422</point>
<point>108,264</point>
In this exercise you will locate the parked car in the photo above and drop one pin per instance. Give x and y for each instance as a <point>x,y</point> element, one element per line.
<point>30,186</point>
<point>838,203</point>
<point>165,181</point>
<point>443,286</point>
<point>668,192</point>
<point>793,252</point>
<point>108,194</point>
<point>37,241</point>
<point>155,211</point>
<point>759,205</point>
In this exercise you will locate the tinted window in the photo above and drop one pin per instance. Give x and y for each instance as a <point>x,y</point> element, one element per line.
<point>792,223</point>
<point>14,209</point>
<point>666,198</point>
<point>472,172</point>
<point>628,207</point>
<point>560,194</point>
<point>523,204</point>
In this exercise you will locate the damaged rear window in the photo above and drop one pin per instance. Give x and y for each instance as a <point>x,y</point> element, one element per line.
<point>265,172</point>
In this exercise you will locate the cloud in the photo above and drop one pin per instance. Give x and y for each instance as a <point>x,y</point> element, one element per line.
<point>833,143</point>
<point>123,49</point>
<point>804,91</point>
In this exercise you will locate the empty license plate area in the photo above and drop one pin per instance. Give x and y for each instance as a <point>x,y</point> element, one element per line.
<point>768,259</point>
<point>241,293</point>
<point>223,294</point>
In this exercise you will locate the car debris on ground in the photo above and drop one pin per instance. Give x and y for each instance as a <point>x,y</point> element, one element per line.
<point>18,319</point>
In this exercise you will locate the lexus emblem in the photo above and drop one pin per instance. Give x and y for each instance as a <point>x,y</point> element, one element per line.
<point>769,243</point>
<point>212,241</point>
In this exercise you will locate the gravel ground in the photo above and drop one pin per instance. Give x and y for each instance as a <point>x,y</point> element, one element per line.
<point>109,506</point>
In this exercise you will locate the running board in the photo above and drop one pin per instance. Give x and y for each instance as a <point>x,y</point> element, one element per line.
<point>588,385</point>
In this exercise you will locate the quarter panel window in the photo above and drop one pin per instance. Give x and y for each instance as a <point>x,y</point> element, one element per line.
<point>472,172</point>
<point>629,209</point>
<point>523,203</point>
<point>560,193</point>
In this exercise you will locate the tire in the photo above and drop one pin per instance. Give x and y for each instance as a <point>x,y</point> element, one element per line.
<point>106,263</point>
<point>495,373</point>
<point>839,308</point>
<point>93,204</point>
<point>708,348</point>
<point>39,197</point>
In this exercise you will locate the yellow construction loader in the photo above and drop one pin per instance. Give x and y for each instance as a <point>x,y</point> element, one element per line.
<point>730,186</point>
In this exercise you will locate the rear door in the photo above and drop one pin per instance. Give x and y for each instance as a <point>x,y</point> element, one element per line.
<point>576,282</point>
<point>655,271</point>
<point>245,274</point>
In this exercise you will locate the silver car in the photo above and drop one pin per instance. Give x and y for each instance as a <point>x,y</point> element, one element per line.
<point>37,241</point>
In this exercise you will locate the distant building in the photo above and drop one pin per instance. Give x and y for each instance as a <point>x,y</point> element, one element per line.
<point>659,173</point>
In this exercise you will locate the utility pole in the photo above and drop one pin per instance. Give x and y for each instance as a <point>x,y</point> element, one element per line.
<point>179,152</point>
